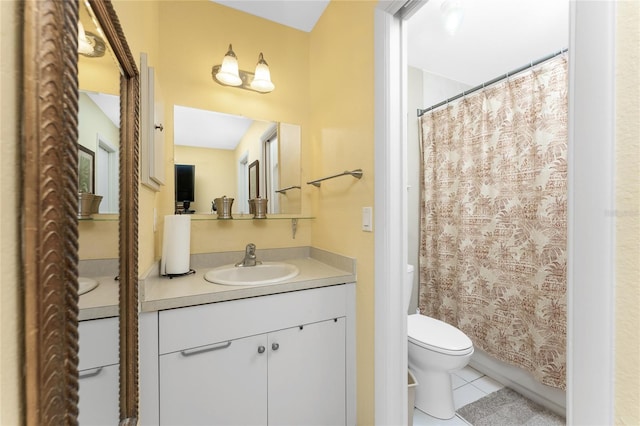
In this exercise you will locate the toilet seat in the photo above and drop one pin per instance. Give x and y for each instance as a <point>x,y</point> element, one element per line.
<point>437,336</point>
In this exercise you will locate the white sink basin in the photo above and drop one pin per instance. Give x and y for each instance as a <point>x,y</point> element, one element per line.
<point>85,285</point>
<point>264,273</point>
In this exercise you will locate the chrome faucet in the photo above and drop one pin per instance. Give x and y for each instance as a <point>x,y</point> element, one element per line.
<point>249,256</point>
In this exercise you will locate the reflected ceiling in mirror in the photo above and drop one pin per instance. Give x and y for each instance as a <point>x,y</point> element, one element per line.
<point>222,146</point>
<point>208,129</point>
<point>100,74</point>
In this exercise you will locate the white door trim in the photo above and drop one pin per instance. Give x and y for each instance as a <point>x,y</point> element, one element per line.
<point>591,242</point>
<point>390,364</point>
<point>591,233</point>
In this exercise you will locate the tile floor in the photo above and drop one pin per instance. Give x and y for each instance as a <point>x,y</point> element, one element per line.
<point>469,385</point>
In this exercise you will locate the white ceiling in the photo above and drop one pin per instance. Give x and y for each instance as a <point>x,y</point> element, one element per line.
<point>496,36</point>
<point>208,129</point>
<point>299,14</point>
<point>109,104</point>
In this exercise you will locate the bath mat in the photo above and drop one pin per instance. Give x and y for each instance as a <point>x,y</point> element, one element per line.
<point>508,408</point>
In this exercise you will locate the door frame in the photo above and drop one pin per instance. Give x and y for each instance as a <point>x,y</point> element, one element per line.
<point>591,243</point>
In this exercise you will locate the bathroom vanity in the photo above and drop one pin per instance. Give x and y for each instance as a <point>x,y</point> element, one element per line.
<point>213,354</point>
<point>281,353</point>
<point>277,359</point>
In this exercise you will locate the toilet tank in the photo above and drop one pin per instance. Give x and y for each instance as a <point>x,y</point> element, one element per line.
<point>408,287</point>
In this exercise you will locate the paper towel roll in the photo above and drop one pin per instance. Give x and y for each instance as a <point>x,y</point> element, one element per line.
<point>176,245</point>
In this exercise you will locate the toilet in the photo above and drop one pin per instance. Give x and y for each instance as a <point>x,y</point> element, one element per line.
<point>436,349</point>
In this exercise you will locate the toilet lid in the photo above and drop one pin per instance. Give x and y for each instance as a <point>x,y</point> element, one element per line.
<point>437,335</point>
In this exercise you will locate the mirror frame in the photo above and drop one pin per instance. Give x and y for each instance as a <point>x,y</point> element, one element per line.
<point>50,207</point>
<point>254,179</point>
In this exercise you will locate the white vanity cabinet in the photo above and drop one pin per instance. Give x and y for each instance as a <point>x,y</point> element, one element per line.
<point>220,384</point>
<point>98,371</point>
<point>278,359</point>
<point>306,375</point>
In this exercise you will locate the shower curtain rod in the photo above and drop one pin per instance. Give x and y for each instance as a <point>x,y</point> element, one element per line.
<point>490,82</point>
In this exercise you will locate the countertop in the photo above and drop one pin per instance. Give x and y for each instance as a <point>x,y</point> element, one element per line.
<point>318,268</point>
<point>101,302</point>
<point>164,293</point>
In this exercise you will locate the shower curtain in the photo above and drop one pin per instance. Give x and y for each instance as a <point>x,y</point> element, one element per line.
<point>493,218</point>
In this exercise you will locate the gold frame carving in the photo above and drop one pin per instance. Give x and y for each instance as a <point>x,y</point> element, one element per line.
<point>50,205</point>
<point>50,229</point>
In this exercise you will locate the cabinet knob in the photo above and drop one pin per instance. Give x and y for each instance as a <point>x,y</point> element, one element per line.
<point>275,346</point>
<point>261,349</point>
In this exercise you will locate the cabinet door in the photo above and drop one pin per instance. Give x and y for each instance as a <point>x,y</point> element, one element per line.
<point>98,396</point>
<point>98,375</point>
<point>220,384</point>
<point>307,375</point>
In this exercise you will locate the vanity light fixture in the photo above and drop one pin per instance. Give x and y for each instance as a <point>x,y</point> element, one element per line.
<point>228,74</point>
<point>89,44</point>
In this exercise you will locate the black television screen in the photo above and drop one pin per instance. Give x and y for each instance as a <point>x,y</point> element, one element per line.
<point>185,182</point>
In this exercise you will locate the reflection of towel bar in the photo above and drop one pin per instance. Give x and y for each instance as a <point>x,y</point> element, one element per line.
<point>283,190</point>
<point>357,173</point>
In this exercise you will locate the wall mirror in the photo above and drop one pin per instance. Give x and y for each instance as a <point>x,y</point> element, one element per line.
<point>50,207</point>
<point>99,110</point>
<point>224,146</point>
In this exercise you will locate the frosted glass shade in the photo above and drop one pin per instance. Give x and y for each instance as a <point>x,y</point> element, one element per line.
<point>262,79</point>
<point>84,46</point>
<point>228,73</point>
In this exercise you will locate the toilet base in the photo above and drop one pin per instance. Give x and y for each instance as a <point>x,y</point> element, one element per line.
<point>434,394</point>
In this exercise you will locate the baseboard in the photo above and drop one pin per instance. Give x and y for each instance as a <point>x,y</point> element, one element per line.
<point>520,381</point>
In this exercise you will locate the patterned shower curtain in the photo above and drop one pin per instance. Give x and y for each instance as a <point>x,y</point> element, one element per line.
<point>494,218</point>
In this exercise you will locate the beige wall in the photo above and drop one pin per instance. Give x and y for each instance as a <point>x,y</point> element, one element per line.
<point>10,295</point>
<point>92,122</point>
<point>183,44</point>
<point>342,129</point>
<point>627,348</point>
<point>289,142</point>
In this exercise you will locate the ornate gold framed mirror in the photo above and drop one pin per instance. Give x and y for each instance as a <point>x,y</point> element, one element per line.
<point>50,206</point>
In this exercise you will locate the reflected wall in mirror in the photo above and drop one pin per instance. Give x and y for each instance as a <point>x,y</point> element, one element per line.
<point>98,132</point>
<point>223,146</point>
<point>99,111</point>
